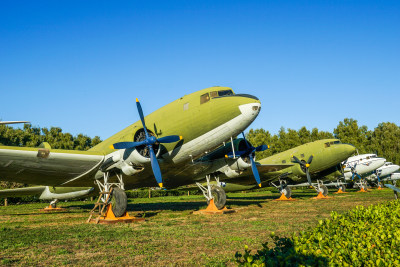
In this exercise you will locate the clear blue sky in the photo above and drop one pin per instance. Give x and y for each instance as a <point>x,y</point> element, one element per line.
<point>80,65</point>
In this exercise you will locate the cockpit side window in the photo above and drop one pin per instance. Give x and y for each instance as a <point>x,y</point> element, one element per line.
<point>204,98</point>
<point>225,93</point>
<point>336,142</point>
<point>213,94</point>
<point>327,144</point>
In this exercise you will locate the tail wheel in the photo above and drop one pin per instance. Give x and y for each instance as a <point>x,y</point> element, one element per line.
<point>219,196</point>
<point>119,202</point>
<point>287,191</point>
<point>324,190</point>
<point>342,187</point>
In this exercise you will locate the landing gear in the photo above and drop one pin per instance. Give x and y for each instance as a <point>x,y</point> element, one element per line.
<point>321,189</point>
<point>112,203</point>
<point>219,197</point>
<point>284,189</point>
<point>53,206</point>
<point>216,198</point>
<point>363,185</point>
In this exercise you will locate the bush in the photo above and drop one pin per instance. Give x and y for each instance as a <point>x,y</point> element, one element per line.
<point>361,237</point>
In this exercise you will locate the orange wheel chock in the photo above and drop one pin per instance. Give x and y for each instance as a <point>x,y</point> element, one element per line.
<point>320,196</point>
<point>362,190</point>
<point>109,218</point>
<point>340,191</point>
<point>284,198</point>
<point>380,188</point>
<point>51,208</point>
<point>212,209</point>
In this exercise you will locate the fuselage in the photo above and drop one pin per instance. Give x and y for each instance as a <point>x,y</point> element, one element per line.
<point>364,164</point>
<point>327,155</point>
<point>384,171</point>
<point>205,119</point>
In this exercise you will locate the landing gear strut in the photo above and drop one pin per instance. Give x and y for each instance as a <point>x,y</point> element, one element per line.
<point>112,202</point>
<point>321,189</point>
<point>216,198</point>
<point>284,189</point>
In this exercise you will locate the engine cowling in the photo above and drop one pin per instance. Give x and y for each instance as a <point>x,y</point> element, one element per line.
<point>130,161</point>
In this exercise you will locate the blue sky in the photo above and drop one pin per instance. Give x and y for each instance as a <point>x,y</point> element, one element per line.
<point>80,65</point>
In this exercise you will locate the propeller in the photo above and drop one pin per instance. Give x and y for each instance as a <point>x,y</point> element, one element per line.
<point>249,152</point>
<point>149,141</point>
<point>305,165</point>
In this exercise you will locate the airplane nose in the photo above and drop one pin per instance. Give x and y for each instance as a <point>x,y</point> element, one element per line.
<point>251,110</point>
<point>349,149</point>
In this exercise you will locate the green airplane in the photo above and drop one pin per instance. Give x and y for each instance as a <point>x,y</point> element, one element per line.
<point>315,161</point>
<point>165,145</point>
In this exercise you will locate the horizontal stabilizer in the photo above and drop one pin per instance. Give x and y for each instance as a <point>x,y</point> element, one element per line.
<point>272,167</point>
<point>393,187</point>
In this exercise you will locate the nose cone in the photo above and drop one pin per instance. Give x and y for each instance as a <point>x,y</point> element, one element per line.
<point>250,106</point>
<point>348,150</point>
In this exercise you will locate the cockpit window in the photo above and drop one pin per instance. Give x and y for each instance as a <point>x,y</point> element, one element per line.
<point>225,92</point>
<point>327,144</point>
<point>204,98</point>
<point>336,142</point>
<point>213,94</point>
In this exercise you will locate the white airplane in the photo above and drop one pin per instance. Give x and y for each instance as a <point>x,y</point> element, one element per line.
<point>361,165</point>
<point>386,173</point>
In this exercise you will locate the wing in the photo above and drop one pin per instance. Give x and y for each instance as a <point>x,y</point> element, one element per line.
<point>42,166</point>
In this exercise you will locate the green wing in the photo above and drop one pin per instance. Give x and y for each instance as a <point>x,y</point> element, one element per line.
<point>42,166</point>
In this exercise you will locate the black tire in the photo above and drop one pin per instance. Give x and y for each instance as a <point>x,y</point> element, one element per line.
<point>119,202</point>
<point>219,196</point>
<point>324,190</point>
<point>342,187</point>
<point>287,191</point>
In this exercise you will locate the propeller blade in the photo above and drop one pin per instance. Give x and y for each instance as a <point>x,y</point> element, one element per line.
<point>255,171</point>
<point>310,159</point>
<point>244,137</point>
<point>308,176</point>
<point>139,107</point>
<point>297,160</point>
<point>262,148</point>
<point>155,167</point>
<point>122,145</point>
<point>169,139</point>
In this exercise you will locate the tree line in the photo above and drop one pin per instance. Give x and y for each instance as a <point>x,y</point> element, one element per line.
<point>383,140</point>
<point>33,136</point>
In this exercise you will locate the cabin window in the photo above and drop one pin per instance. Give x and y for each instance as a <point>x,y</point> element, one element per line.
<point>283,161</point>
<point>327,144</point>
<point>204,98</point>
<point>225,92</point>
<point>302,155</point>
<point>186,106</point>
<point>213,94</point>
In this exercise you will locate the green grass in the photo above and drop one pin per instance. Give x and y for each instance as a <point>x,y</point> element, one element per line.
<point>171,235</point>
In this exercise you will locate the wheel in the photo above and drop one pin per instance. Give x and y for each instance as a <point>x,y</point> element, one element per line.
<point>219,196</point>
<point>287,191</point>
<point>324,190</point>
<point>119,202</point>
<point>342,187</point>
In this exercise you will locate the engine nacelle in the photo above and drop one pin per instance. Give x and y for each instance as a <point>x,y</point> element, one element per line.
<point>240,164</point>
<point>297,170</point>
<point>231,173</point>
